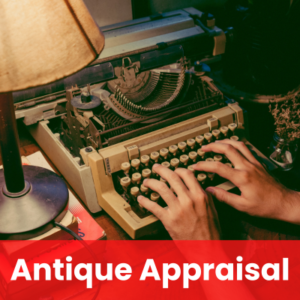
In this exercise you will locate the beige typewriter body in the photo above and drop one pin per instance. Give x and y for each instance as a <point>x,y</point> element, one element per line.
<point>91,173</point>
<point>107,161</point>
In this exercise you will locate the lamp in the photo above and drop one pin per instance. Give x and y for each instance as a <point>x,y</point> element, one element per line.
<point>41,41</point>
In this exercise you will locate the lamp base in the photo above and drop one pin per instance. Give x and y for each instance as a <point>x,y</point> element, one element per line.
<point>31,213</point>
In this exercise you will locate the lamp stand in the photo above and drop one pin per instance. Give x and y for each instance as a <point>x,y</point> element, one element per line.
<point>31,198</point>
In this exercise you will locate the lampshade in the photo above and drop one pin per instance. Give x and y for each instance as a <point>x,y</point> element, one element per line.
<point>40,41</point>
<point>44,40</point>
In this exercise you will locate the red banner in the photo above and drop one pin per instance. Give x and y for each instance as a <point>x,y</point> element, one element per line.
<point>149,270</point>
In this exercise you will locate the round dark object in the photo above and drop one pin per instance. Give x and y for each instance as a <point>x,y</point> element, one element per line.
<point>93,103</point>
<point>88,149</point>
<point>45,201</point>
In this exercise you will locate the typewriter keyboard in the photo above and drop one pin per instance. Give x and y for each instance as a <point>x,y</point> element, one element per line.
<point>129,181</point>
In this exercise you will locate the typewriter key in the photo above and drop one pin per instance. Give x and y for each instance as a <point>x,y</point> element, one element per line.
<point>191,169</point>
<point>234,138</point>
<point>125,183</point>
<point>191,143</point>
<point>125,166</point>
<point>193,156</point>
<point>154,156</point>
<point>201,178</point>
<point>200,140</point>
<point>201,154</point>
<point>211,176</point>
<point>164,153</point>
<point>134,191</point>
<point>145,159</point>
<point>174,163</point>
<point>136,178</point>
<point>229,165</point>
<point>224,130</point>
<point>209,159</point>
<point>146,173</point>
<point>144,190</point>
<point>166,164</point>
<point>208,137</point>
<point>154,197</point>
<point>173,150</point>
<point>184,160</point>
<point>135,163</point>
<point>182,147</point>
<point>154,174</point>
<point>216,133</point>
<point>218,157</point>
<point>232,127</point>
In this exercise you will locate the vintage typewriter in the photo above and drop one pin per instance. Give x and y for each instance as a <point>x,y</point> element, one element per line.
<point>147,99</point>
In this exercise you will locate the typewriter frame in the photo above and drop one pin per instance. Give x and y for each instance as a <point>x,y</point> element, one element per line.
<point>109,160</point>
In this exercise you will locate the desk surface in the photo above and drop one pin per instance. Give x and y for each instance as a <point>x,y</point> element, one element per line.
<point>256,230</point>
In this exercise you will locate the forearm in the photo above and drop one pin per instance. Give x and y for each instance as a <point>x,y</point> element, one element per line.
<point>290,211</point>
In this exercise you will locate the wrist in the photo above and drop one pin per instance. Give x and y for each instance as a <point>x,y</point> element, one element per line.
<point>290,208</point>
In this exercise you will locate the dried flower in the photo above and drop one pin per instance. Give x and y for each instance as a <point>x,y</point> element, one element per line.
<point>287,118</point>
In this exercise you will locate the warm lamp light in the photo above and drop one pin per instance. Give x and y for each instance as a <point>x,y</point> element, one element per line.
<point>41,41</point>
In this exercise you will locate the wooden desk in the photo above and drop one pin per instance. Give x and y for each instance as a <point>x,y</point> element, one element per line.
<point>115,232</point>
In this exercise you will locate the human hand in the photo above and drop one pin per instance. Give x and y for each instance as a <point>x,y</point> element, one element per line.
<point>191,214</point>
<point>261,194</point>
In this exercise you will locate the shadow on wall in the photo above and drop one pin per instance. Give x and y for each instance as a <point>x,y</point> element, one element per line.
<point>143,8</point>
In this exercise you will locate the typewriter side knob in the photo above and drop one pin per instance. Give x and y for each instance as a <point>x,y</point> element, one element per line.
<point>86,101</point>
